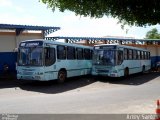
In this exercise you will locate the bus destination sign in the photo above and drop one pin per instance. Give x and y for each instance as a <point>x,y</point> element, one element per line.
<point>31,44</point>
<point>106,47</point>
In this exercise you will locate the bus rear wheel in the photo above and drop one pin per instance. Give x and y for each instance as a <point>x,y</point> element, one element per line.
<point>143,69</point>
<point>62,76</point>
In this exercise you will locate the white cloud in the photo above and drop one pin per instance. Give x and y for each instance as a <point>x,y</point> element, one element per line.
<point>11,19</point>
<point>83,26</point>
<point>5,3</point>
<point>19,9</point>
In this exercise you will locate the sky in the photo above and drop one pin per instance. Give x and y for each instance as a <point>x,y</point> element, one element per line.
<point>33,12</point>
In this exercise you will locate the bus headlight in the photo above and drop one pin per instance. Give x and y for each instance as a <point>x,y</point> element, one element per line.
<point>19,72</point>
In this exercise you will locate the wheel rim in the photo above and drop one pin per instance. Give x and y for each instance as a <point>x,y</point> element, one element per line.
<point>61,76</point>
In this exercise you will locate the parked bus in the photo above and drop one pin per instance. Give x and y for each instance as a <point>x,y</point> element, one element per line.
<point>45,60</point>
<point>119,60</point>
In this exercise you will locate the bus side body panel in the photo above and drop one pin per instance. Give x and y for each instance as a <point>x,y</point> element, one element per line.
<point>135,66</point>
<point>72,67</point>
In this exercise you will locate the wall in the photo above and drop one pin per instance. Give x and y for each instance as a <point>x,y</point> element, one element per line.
<point>8,42</point>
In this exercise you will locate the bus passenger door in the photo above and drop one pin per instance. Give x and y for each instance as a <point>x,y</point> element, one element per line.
<point>120,57</point>
<point>49,62</point>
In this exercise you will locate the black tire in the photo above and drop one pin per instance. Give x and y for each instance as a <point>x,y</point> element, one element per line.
<point>158,69</point>
<point>143,69</point>
<point>61,76</point>
<point>126,72</point>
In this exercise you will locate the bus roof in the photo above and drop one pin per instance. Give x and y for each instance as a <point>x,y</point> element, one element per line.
<point>124,46</point>
<point>57,43</point>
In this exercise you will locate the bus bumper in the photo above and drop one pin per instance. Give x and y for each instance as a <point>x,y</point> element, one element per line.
<point>27,77</point>
<point>105,74</point>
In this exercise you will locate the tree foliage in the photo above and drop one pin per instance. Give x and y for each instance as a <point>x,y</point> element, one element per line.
<point>153,34</point>
<point>131,12</point>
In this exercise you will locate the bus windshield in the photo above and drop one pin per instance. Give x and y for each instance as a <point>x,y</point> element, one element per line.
<point>104,57</point>
<point>30,56</point>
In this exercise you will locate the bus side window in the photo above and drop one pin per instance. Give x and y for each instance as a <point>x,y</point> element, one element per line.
<point>91,54</point>
<point>61,52</point>
<point>141,55</point>
<point>149,55</point>
<point>125,54</point>
<point>130,54</point>
<point>49,56</point>
<point>120,57</point>
<point>134,54</point>
<point>87,54</point>
<point>79,53</point>
<point>138,55</point>
<point>71,53</point>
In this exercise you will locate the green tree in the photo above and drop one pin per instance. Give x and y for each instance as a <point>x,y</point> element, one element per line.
<point>153,34</point>
<point>131,12</point>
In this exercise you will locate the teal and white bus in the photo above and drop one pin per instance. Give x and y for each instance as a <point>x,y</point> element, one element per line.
<point>119,60</point>
<point>45,60</point>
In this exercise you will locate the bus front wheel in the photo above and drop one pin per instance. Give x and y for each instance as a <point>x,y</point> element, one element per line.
<point>143,69</point>
<point>126,72</point>
<point>61,76</point>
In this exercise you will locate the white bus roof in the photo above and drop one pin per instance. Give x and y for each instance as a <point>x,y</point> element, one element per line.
<point>124,46</point>
<point>58,43</point>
